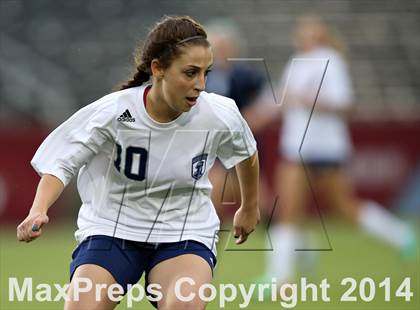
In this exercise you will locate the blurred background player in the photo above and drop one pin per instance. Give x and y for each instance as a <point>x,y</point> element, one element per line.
<point>232,76</point>
<point>237,79</point>
<point>325,152</point>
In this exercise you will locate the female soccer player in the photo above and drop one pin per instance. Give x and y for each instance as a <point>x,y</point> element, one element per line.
<point>319,65</point>
<point>142,155</point>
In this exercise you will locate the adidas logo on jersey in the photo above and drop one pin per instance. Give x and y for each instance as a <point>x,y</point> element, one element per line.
<point>126,117</point>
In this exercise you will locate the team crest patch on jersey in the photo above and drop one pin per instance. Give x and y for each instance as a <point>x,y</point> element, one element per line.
<point>198,166</point>
<point>126,117</point>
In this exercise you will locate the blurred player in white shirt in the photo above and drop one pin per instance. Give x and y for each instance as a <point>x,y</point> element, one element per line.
<point>142,155</point>
<point>325,151</point>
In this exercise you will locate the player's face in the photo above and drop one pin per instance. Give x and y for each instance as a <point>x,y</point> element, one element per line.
<point>308,35</point>
<point>186,77</point>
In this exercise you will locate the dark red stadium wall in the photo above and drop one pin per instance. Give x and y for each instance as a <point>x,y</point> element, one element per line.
<point>18,180</point>
<point>385,155</point>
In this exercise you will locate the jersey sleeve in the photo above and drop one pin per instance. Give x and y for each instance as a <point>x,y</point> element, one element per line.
<point>73,143</point>
<point>237,142</point>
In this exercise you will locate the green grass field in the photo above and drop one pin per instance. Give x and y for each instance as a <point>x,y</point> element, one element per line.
<point>354,255</point>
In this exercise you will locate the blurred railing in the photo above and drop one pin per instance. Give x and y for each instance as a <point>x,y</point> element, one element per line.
<point>56,57</point>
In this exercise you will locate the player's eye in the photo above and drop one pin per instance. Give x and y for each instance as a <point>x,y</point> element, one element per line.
<point>190,73</point>
<point>207,72</point>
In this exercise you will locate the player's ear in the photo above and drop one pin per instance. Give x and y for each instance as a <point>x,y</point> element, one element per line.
<point>157,69</point>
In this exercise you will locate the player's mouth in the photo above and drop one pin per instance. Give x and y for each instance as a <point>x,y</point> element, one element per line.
<point>191,101</point>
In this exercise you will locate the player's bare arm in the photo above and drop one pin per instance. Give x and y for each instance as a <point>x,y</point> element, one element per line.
<point>322,106</point>
<point>248,215</point>
<point>49,189</point>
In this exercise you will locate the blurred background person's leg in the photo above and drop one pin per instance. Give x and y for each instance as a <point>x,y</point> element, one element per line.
<point>369,215</point>
<point>285,231</point>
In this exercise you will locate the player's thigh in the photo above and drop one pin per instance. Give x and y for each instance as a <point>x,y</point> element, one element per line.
<point>180,278</point>
<point>337,190</point>
<point>292,187</point>
<point>93,298</point>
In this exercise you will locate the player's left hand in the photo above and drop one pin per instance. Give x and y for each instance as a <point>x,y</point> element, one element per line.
<point>244,222</point>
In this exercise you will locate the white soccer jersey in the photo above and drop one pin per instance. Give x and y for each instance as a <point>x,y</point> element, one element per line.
<point>142,180</point>
<point>327,137</point>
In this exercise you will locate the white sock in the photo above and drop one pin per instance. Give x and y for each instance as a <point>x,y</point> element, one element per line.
<point>378,221</point>
<point>285,238</point>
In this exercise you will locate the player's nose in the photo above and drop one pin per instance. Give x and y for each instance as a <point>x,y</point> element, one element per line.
<point>200,83</point>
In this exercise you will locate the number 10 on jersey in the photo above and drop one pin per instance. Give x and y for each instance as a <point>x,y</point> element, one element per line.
<point>135,162</point>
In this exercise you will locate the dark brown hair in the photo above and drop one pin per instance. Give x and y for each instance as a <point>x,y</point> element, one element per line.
<point>164,43</point>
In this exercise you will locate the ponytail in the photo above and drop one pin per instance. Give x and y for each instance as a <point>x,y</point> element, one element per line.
<point>140,77</point>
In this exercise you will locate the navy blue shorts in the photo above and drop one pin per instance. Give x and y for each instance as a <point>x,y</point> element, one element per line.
<point>318,165</point>
<point>127,260</point>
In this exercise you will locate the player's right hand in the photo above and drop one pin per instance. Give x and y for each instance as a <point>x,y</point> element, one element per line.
<point>30,228</point>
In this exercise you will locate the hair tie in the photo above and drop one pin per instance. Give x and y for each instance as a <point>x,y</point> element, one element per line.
<point>190,39</point>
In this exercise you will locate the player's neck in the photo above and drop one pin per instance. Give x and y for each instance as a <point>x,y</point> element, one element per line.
<point>158,109</point>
